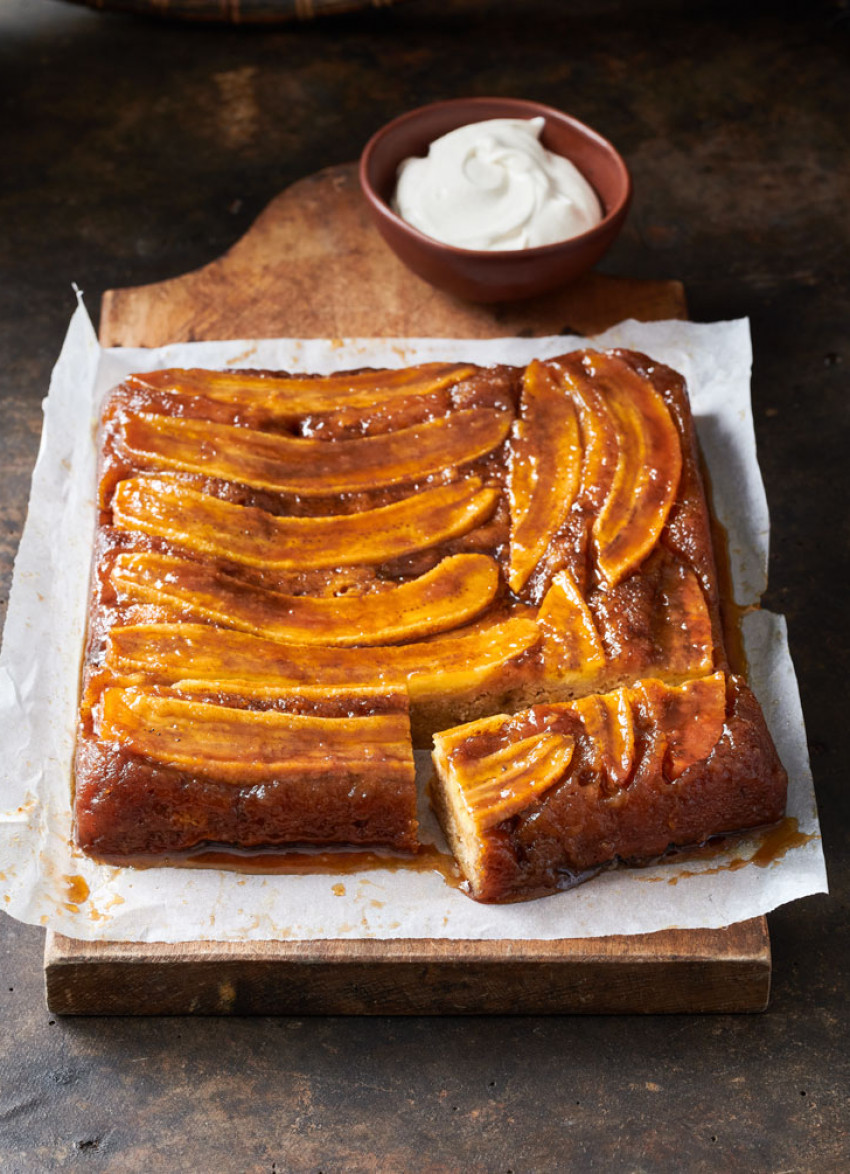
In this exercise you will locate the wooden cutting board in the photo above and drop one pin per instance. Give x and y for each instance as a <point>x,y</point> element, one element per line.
<point>312,266</point>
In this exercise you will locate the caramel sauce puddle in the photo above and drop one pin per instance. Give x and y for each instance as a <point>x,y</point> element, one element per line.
<point>76,891</point>
<point>776,842</point>
<point>308,862</point>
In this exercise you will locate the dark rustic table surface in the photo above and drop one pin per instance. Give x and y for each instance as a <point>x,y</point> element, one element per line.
<point>134,150</point>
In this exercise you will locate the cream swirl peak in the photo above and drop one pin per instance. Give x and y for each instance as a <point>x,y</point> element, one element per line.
<point>493,185</point>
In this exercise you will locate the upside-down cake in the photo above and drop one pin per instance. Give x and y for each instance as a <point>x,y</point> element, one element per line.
<point>298,578</point>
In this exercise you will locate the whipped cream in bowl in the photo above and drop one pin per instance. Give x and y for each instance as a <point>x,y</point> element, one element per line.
<point>493,199</point>
<point>492,185</point>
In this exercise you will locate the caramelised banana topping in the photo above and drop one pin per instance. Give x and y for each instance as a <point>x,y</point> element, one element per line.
<point>543,468</point>
<point>610,730</point>
<point>501,766</point>
<point>570,638</point>
<point>646,476</point>
<point>297,575</point>
<point>504,783</point>
<point>598,433</point>
<point>312,468</point>
<point>244,746</point>
<point>580,491</point>
<point>447,666</point>
<point>457,590</point>
<point>690,718</point>
<point>290,397</point>
<point>208,525</point>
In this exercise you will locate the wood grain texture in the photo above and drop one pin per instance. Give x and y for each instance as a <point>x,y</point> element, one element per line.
<point>313,266</point>
<point>674,971</point>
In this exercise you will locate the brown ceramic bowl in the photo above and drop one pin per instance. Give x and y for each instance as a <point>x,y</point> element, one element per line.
<point>494,275</point>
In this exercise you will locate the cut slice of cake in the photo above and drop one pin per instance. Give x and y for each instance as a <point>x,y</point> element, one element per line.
<point>165,769</point>
<point>531,802</point>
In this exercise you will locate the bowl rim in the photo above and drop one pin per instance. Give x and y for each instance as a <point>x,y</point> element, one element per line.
<point>541,108</point>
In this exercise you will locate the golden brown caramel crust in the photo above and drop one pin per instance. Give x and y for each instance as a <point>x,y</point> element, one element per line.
<point>384,552</point>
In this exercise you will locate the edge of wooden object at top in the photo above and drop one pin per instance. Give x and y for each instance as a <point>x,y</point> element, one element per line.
<point>673,971</point>
<point>257,12</point>
<point>313,266</point>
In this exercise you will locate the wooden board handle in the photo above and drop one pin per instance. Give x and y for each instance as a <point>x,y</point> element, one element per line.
<point>313,266</point>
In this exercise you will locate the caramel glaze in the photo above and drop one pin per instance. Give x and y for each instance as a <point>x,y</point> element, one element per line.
<point>77,889</point>
<point>301,860</point>
<point>180,813</point>
<point>579,825</point>
<point>626,616</point>
<point>776,841</point>
<point>731,612</point>
<point>179,810</point>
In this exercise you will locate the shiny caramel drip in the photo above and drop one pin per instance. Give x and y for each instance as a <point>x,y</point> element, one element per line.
<point>242,746</point>
<point>543,469</point>
<point>452,593</point>
<point>287,397</point>
<point>166,508</point>
<point>286,464</point>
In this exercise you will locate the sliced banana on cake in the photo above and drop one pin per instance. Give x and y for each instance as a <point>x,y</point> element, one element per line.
<point>166,508</point>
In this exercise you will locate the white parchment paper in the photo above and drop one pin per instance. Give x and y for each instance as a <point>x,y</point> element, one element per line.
<point>44,880</point>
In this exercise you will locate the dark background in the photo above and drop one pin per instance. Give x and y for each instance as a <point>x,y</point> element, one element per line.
<point>132,150</point>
